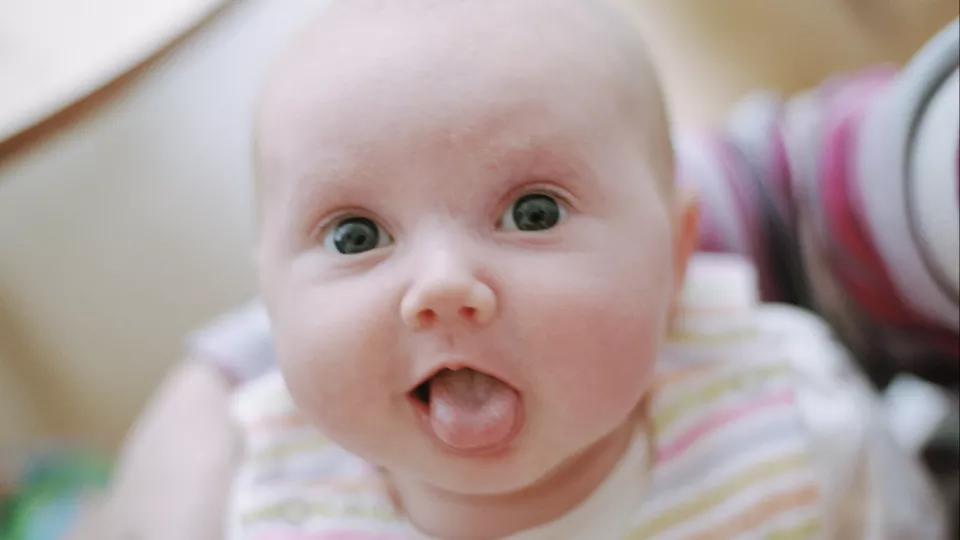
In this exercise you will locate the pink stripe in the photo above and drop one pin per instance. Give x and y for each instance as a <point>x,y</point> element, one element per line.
<point>329,535</point>
<point>853,257</point>
<point>733,183</point>
<point>782,173</point>
<point>842,210</point>
<point>720,419</point>
<point>741,182</point>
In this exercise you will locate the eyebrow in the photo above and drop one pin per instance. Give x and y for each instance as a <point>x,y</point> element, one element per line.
<point>549,157</point>
<point>322,187</point>
<point>331,181</point>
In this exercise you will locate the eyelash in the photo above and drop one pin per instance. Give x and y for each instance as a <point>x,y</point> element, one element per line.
<point>325,226</point>
<point>320,232</point>
<point>516,195</point>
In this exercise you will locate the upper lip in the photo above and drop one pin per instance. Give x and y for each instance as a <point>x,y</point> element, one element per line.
<point>455,365</point>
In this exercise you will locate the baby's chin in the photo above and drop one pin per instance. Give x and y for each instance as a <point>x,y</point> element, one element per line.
<point>507,476</point>
<point>546,451</point>
<point>528,466</point>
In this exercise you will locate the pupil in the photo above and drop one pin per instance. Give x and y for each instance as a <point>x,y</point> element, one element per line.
<point>355,235</point>
<point>536,213</point>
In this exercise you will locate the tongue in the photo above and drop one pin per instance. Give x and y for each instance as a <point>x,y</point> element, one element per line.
<point>470,410</point>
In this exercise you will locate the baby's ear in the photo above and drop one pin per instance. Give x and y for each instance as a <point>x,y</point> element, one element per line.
<point>685,201</point>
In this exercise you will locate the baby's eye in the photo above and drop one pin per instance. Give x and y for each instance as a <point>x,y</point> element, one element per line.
<point>534,212</point>
<point>355,235</point>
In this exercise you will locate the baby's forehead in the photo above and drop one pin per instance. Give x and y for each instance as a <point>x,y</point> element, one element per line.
<point>454,66</point>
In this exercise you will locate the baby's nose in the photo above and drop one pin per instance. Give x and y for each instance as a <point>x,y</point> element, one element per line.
<point>448,300</point>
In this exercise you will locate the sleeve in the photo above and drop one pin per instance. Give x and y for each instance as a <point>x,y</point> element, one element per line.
<point>760,176</point>
<point>904,170</point>
<point>873,488</point>
<point>239,344</point>
<point>741,174</point>
<point>847,199</point>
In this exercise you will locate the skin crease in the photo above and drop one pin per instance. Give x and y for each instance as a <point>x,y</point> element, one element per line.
<point>431,119</point>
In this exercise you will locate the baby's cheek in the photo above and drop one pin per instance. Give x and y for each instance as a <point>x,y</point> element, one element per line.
<point>609,385</point>
<point>317,381</point>
<point>334,373</point>
<point>339,398</point>
<point>599,376</point>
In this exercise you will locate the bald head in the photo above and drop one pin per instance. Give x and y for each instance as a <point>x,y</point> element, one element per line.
<point>408,63</point>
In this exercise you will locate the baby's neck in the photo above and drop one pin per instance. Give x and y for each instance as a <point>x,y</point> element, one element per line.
<point>442,514</point>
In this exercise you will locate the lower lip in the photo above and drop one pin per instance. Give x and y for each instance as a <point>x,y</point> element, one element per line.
<point>497,451</point>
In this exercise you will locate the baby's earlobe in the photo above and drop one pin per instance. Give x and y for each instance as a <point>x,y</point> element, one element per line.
<point>686,227</point>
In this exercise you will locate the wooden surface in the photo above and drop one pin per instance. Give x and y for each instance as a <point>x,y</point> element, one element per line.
<point>712,52</point>
<point>56,52</point>
<point>133,221</point>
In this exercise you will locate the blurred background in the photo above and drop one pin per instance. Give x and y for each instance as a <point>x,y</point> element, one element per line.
<point>125,196</point>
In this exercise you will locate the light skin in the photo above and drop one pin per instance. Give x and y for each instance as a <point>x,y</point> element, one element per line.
<point>435,126</point>
<point>173,475</point>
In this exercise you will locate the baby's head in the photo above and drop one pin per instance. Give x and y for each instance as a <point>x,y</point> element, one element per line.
<point>470,241</point>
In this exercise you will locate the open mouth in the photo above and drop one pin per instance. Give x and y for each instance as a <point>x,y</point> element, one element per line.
<point>468,410</point>
<point>469,384</point>
<point>421,394</point>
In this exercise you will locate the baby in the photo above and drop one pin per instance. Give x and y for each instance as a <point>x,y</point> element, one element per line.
<point>475,266</point>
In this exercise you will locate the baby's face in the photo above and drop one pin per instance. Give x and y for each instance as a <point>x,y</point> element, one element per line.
<point>467,253</point>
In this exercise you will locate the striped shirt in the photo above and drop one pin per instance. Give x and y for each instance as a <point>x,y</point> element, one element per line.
<point>757,426</point>
<point>847,199</point>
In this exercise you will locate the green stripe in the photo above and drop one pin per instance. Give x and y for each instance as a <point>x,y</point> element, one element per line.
<point>713,391</point>
<point>803,531</point>
<point>690,509</point>
<point>284,451</point>
<point>297,512</point>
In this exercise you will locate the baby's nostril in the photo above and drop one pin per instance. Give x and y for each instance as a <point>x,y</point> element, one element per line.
<point>468,312</point>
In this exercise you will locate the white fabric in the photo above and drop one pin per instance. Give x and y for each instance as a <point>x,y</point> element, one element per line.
<point>879,490</point>
<point>883,148</point>
<point>933,172</point>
